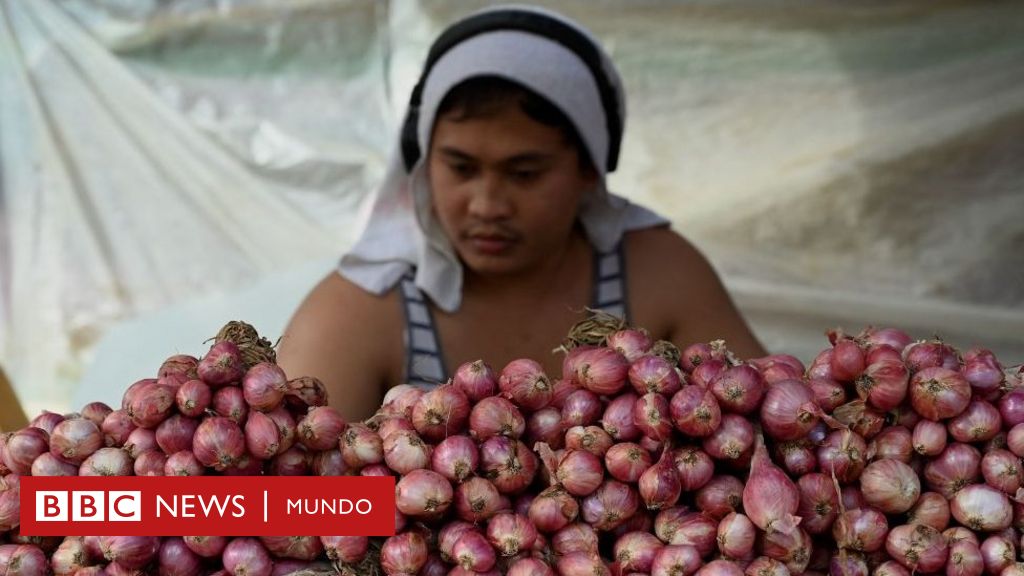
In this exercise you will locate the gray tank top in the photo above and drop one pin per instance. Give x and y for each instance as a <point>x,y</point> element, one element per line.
<point>424,361</point>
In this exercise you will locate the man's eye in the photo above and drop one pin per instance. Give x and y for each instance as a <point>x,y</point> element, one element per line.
<point>525,175</point>
<point>461,169</point>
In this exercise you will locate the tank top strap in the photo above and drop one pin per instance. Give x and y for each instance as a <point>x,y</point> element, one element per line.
<point>424,361</point>
<point>610,282</point>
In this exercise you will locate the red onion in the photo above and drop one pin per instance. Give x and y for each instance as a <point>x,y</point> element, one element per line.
<point>495,416</point>
<point>508,463</point>
<point>965,559</point>
<point>939,393</point>
<point>150,463</point>
<point>707,372</point>
<point>675,561</point>
<point>848,564</point>
<point>47,421</point>
<point>651,414</point>
<point>222,365</point>
<point>1002,470</point>
<point>73,440</point>
<point>618,420</point>
<point>979,422</point>
<point>140,440</point>
<point>206,546</point>
<point>957,466</point>
<point>1011,407</point>
<point>182,364</point>
<point>69,556</point>
<point>739,389</point>
<point>659,485</point>
<point>320,428</point>
<point>720,496</point>
<point>10,502</point>
<point>262,438</point>
<point>545,425</point>
<point>890,485</point>
<point>891,568</point>
<point>592,439</point>
<point>891,337</point>
<point>720,568</point>
<point>882,354</point>
<point>553,509</point>
<point>440,413</point>
<point>627,461</point>
<point>789,411</point>
<point>131,391</point>
<point>931,509</point>
<point>405,451</point>
<point>770,498</point>
<point>923,355</point>
<point>844,453</point>
<point>733,438</point>
<point>248,557</point>
<point>361,446</point>
<point>345,549</point>
<point>560,390</point>
<point>635,551</point>
<point>860,418</point>
<point>847,360</point>
<point>423,494</point>
<point>736,536</point>
<point>524,382</point>
<point>109,461</point>
<point>399,400</point>
<point>765,566</point>
<point>511,533</point>
<point>46,464</point>
<point>295,547</point>
<point>130,551</point>
<point>852,498</point>
<point>578,537</point>
<point>895,442</point>
<point>982,508</point>
<point>828,394</point>
<point>982,370</point>
<point>653,374</point>
<point>116,427</point>
<point>472,552</point>
<point>581,408</point>
<point>695,468</point>
<point>919,548</point>
<point>929,438</point>
<point>884,384</point>
<point>23,447</point>
<point>695,412</point>
<point>175,433</point>
<point>176,559</point>
<point>779,367</point>
<point>958,534</point>
<point>23,560</point>
<point>455,458</point>
<point>861,529</point>
<point>97,412</point>
<point>819,503</point>
<point>328,463</point>
<point>997,552</point>
<point>218,442</point>
<point>476,380</point>
<point>792,548</point>
<point>677,527</point>
<point>529,567</point>
<point>183,463</point>
<point>632,344</point>
<point>609,505</point>
<point>582,564</point>
<point>264,386</point>
<point>602,370</point>
<point>1015,440</point>
<point>229,402</point>
<point>580,472</point>
<point>151,405</point>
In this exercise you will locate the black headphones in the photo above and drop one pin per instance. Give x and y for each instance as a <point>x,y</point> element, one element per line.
<point>524,21</point>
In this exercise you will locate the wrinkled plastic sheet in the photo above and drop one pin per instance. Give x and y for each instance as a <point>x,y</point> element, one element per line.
<point>163,162</point>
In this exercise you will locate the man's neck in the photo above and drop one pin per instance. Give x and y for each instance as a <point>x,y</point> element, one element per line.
<point>533,283</point>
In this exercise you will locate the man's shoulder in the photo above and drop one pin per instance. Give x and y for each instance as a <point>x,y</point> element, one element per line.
<point>663,252</point>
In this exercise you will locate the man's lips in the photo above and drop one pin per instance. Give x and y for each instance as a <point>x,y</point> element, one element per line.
<point>490,243</point>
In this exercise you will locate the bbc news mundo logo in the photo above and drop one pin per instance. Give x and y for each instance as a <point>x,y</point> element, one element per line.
<point>211,506</point>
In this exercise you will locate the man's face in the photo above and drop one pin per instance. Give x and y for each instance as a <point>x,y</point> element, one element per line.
<point>505,188</point>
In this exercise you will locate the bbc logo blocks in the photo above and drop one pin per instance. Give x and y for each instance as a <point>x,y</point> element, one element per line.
<point>88,506</point>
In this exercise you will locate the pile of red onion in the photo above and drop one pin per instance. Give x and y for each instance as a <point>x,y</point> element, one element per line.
<point>885,456</point>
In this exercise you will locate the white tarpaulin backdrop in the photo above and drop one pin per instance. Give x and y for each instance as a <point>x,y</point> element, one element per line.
<point>166,166</point>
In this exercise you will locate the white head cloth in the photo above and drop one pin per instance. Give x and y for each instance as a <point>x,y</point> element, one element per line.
<point>400,232</point>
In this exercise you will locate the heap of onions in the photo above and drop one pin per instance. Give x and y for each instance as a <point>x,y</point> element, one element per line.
<point>883,456</point>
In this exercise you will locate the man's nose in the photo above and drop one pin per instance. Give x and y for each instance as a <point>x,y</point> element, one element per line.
<point>490,199</point>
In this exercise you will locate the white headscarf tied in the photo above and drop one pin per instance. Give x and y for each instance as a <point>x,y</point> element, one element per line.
<point>400,232</point>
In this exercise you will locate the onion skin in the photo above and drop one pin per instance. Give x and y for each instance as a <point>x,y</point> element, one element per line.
<point>819,503</point>
<point>788,411</point>
<point>890,486</point>
<point>918,548</point>
<point>1002,470</point>
<point>131,552</point>
<point>695,411</point>
<point>524,382</point>
<point>770,498</point>
<point>982,508</point>
<point>931,509</point>
<point>938,393</point>
<point>861,529</point>
<point>739,389</point>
